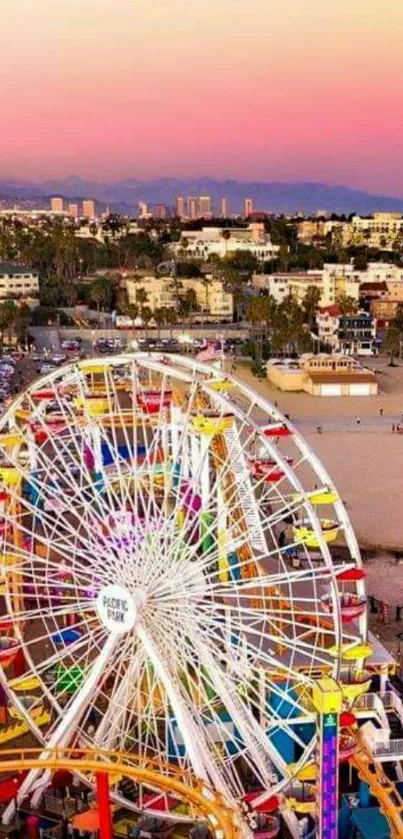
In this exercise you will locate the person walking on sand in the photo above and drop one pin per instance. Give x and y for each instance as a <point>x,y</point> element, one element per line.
<point>358,421</point>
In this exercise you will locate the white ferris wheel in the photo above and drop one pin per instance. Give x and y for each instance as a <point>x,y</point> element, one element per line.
<point>169,585</point>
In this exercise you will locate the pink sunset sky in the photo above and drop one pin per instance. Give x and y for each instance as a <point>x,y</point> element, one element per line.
<point>250,89</point>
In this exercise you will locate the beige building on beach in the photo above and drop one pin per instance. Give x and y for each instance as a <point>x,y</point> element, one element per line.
<point>323,375</point>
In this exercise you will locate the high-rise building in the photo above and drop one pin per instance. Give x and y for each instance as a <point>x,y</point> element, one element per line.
<point>161,211</point>
<point>247,207</point>
<point>89,208</point>
<point>224,208</point>
<point>56,205</point>
<point>143,210</point>
<point>192,207</point>
<point>205,206</point>
<point>73,210</point>
<point>180,206</point>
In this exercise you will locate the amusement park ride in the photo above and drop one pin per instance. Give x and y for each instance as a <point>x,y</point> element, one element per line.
<point>183,604</point>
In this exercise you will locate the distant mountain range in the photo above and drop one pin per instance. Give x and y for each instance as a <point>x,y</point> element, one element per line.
<point>124,195</point>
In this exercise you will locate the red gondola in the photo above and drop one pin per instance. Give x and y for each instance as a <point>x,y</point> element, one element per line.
<point>347,718</point>
<point>152,401</point>
<point>279,430</point>
<point>40,395</point>
<point>351,574</point>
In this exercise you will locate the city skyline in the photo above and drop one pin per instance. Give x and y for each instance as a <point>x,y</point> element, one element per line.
<point>313,94</point>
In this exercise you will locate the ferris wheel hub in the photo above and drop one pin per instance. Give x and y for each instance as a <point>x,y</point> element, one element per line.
<point>118,608</point>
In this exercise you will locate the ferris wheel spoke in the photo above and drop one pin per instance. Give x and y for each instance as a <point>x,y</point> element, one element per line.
<point>256,738</point>
<point>112,725</point>
<point>63,732</point>
<point>193,738</point>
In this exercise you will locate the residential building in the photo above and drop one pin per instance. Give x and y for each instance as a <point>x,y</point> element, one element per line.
<point>180,206</point>
<point>357,334</point>
<point>73,210</point>
<point>310,229</point>
<point>201,244</point>
<point>374,291</point>
<point>323,375</point>
<point>213,301</point>
<point>192,207</point>
<point>299,282</point>
<point>381,230</point>
<point>224,208</point>
<point>383,310</point>
<point>205,206</point>
<point>340,280</point>
<point>395,290</point>
<point>274,284</point>
<point>327,324</point>
<point>247,207</point>
<point>89,208</point>
<point>18,281</point>
<point>56,205</point>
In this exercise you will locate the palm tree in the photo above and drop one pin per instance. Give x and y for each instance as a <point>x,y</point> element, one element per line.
<point>8,316</point>
<point>146,316</point>
<point>132,311</point>
<point>392,343</point>
<point>171,317</point>
<point>346,304</point>
<point>310,304</point>
<point>160,318</point>
<point>141,297</point>
<point>226,234</point>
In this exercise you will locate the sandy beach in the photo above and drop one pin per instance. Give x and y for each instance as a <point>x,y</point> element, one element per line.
<point>366,460</point>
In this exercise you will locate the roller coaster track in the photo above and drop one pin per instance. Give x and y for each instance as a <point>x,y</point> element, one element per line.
<point>384,790</point>
<point>207,803</point>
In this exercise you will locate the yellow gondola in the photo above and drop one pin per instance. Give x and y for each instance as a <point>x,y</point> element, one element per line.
<point>12,439</point>
<point>222,385</point>
<point>352,690</point>
<point>357,652</point>
<point>9,475</point>
<point>211,425</point>
<point>304,533</point>
<point>93,367</point>
<point>25,685</point>
<point>322,496</point>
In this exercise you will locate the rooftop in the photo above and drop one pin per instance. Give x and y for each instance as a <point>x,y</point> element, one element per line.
<point>10,268</point>
<point>333,310</point>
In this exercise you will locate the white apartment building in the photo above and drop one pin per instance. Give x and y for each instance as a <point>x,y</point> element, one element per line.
<point>203,243</point>
<point>299,282</point>
<point>327,322</point>
<point>18,282</point>
<point>212,298</point>
<point>274,284</point>
<point>333,281</point>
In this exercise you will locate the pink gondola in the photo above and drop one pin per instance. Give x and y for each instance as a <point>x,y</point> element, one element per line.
<point>267,469</point>
<point>351,606</point>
